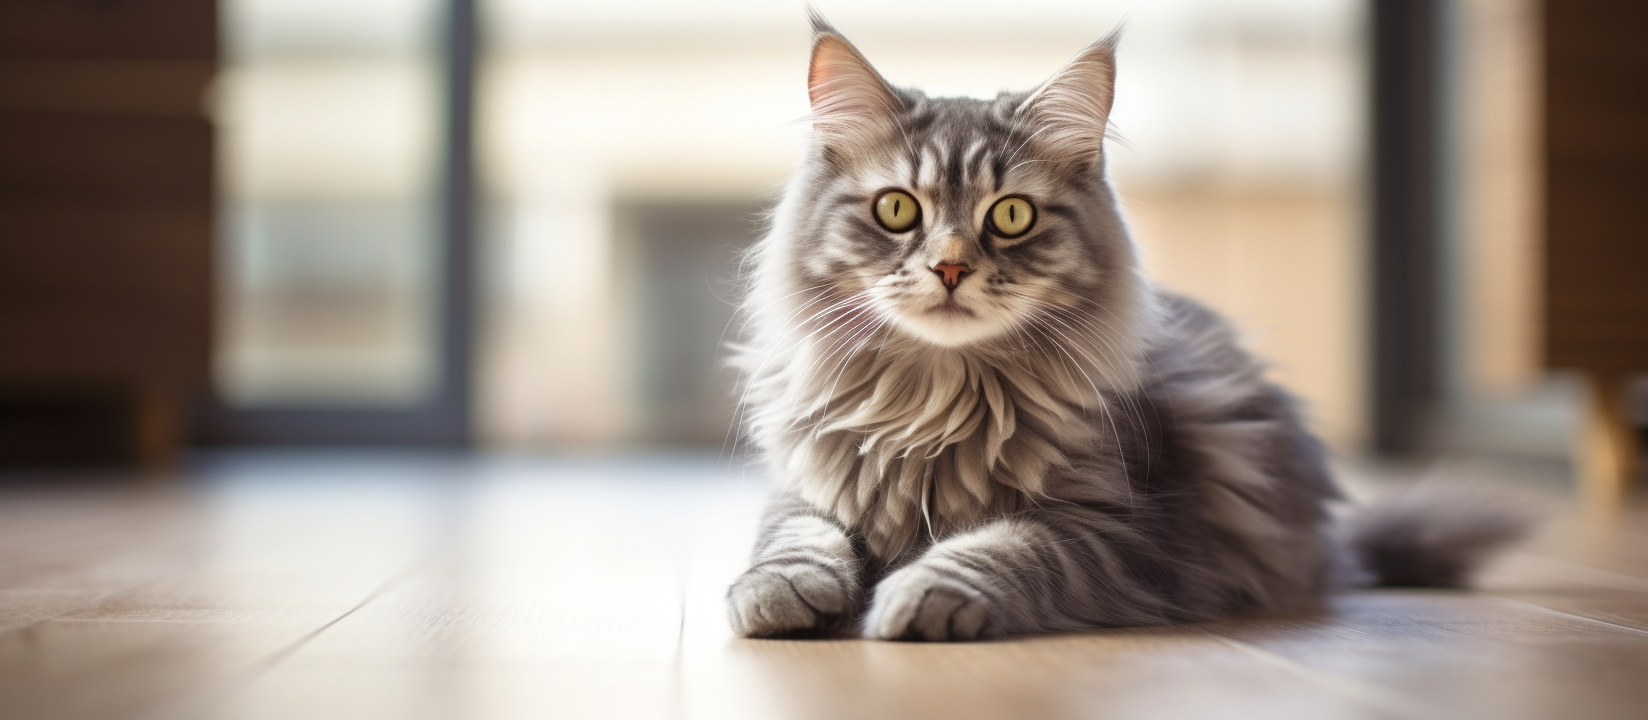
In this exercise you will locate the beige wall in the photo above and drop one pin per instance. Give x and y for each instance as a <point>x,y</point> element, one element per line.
<point>1499,160</point>
<point>1287,266</point>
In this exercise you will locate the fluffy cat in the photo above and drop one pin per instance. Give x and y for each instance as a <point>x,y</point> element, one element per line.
<point>986,422</point>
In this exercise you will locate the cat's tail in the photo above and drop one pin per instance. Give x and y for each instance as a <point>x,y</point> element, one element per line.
<point>1434,534</point>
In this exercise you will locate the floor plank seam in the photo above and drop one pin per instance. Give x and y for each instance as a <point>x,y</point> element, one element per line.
<point>1377,696</point>
<point>95,602</point>
<point>1566,614</point>
<point>1598,576</point>
<point>207,698</point>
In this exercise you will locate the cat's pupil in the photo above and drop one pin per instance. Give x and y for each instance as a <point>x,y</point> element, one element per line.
<point>897,206</point>
<point>1012,214</point>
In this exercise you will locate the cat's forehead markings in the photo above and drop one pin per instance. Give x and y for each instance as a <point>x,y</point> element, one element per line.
<point>928,174</point>
<point>970,159</point>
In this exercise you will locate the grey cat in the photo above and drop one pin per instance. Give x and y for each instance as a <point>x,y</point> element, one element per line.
<point>986,422</point>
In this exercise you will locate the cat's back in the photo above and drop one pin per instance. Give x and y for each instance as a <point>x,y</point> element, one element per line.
<point>1195,342</point>
<point>1246,478</point>
<point>1233,423</point>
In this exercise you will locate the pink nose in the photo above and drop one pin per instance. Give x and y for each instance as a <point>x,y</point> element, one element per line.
<point>951,274</point>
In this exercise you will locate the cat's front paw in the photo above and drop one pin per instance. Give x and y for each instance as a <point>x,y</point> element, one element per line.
<point>789,599</point>
<point>921,603</point>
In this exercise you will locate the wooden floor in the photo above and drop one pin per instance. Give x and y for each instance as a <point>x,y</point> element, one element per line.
<point>305,587</point>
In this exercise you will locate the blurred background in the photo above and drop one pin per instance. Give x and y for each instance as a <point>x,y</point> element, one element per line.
<point>510,225</point>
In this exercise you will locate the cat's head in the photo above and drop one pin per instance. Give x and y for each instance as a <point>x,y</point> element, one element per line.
<point>959,220</point>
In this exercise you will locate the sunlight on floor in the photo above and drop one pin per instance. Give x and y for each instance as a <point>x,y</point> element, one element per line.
<point>362,586</point>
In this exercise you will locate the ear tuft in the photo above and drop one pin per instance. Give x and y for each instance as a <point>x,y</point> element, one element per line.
<point>1071,111</point>
<point>820,25</point>
<point>849,98</point>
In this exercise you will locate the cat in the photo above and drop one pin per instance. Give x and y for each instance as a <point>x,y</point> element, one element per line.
<point>984,420</point>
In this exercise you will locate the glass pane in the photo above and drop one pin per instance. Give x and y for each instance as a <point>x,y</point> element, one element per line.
<point>328,128</point>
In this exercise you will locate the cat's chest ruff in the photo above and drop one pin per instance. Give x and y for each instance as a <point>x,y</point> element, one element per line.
<point>926,448</point>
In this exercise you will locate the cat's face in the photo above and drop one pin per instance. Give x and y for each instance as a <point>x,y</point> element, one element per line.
<point>956,229</point>
<point>960,220</point>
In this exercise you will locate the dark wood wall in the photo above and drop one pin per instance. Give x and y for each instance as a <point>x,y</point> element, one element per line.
<point>1596,175</point>
<point>106,224</point>
<point>1596,224</point>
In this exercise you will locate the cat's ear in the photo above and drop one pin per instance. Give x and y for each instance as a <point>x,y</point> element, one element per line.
<point>850,100</point>
<point>1071,111</point>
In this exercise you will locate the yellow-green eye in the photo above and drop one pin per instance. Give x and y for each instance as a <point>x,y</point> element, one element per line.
<point>1011,217</point>
<point>897,211</point>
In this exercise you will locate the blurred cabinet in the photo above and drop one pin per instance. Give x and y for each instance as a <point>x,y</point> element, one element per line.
<point>106,224</point>
<point>1596,205</point>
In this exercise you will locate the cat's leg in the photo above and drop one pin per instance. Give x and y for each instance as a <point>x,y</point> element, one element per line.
<point>804,578</point>
<point>1031,573</point>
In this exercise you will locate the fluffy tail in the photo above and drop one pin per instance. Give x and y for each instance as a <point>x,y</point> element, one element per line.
<point>1433,535</point>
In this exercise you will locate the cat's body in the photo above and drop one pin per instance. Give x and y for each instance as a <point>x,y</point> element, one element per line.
<point>984,420</point>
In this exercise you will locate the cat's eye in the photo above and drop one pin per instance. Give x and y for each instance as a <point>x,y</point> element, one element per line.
<point>1012,216</point>
<point>897,211</point>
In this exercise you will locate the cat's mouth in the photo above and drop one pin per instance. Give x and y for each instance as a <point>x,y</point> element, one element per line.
<point>950,308</point>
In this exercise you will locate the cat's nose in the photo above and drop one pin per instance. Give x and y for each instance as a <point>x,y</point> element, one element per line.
<point>951,274</point>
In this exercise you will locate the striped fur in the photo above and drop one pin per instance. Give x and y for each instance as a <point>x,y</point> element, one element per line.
<point>1061,445</point>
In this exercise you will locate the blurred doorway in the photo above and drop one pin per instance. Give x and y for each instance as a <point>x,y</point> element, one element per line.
<point>343,273</point>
